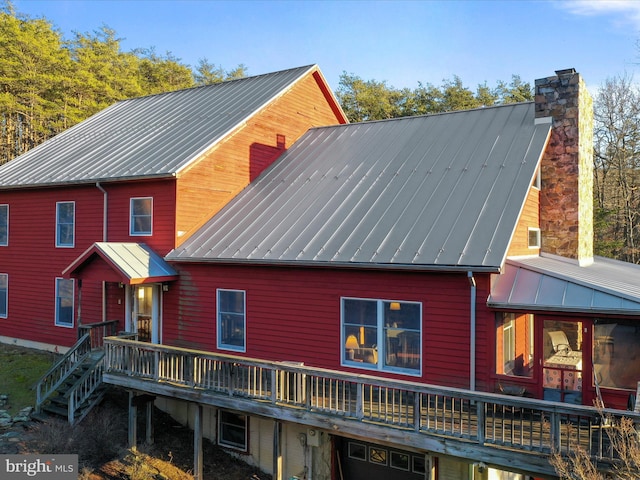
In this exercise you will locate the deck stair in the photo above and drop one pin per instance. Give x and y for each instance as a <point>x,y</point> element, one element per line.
<point>73,385</point>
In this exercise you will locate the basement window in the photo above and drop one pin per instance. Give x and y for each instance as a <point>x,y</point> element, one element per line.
<point>233,430</point>
<point>534,237</point>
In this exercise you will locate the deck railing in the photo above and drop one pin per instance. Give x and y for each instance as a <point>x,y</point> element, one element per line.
<point>485,419</point>
<point>59,372</point>
<point>98,331</point>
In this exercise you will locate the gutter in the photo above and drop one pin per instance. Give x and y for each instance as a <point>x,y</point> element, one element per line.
<point>472,340</point>
<point>104,211</point>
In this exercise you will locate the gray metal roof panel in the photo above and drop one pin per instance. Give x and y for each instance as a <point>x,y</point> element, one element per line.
<point>550,282</point>
<point>135,260</point>
<point>156,135</point>
<point>441,191</point>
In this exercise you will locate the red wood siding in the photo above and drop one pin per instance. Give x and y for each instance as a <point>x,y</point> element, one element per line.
<point>294,314</point>
<point>224,171</point>
<point>33,262</point>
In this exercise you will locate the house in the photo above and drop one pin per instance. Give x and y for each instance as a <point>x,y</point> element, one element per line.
<point>414,298</point>
<point>128,185</point>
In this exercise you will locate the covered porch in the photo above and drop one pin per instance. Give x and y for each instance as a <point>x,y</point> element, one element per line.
<point>121,284</point>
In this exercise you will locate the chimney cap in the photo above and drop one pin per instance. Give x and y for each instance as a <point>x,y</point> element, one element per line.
<point>566,71</point>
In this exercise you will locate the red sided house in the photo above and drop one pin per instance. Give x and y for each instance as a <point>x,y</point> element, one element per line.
<point>127,186</point>
<point>410,298</point>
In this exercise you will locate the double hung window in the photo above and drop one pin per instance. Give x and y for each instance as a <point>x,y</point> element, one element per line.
<point>64,302</point>
<point>382,334</point>
<point>141,221</point>
<point>4,294</point>
<point>65,224</point>
<point>232,430</point>
<point>231,320</point>
<point>4,225</point>
<point>514,344</point>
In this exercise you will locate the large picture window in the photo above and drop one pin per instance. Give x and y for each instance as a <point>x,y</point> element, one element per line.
<point>382,334</point>
<point>231,320</point>
<point>4,225</point>
<point>141,216</point>
<point>514,344</point>
<point>64,302</point>
<point>232,430</point>
<point>4,295</point>
<point>65,224</point>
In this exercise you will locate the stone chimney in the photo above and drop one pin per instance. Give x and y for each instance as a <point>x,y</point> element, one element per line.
<point>566,196</point>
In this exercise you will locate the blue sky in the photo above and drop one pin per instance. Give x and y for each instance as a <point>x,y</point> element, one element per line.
<point>400,42</point>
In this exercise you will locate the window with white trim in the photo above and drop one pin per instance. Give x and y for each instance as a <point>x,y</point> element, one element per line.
<point>231,319</point>
<point>233,430</point>
<point>4,225</point>
<point>141,220</point>
<point>534,237</point>
<point>382,334</point>
<point>65,224</point>
<point>4,295</point>
<point>64,302</point>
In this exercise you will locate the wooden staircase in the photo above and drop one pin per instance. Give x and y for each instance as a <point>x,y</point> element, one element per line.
<point>73,386</point>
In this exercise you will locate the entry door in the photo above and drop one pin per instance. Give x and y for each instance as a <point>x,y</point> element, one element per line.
<point>145,312</point>
<point>563,371</point>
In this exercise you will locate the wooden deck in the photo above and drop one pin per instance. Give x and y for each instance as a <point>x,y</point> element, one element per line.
<point>515,432</point>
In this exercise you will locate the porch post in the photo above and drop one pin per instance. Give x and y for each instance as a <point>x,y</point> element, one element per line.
<point>197,444</point>
<point>133,422</point>
<point>277,450</point>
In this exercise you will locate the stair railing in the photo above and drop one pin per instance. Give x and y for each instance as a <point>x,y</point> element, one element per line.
<point>60,371</point>
<point>79,394</point>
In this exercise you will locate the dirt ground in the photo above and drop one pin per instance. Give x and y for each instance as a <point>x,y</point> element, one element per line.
<point>170,456</point>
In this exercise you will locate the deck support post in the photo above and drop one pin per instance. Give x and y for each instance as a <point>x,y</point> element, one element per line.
<point>197,443</point>
<point>149,424</point>
<point>277,450</point>
<point>133,422</point>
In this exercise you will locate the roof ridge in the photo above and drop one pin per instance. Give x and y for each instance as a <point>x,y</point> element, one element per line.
<point>218,84</point>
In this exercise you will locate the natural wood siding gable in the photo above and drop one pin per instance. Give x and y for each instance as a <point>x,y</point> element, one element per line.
<point>530,218</point>
<point>204,188</point>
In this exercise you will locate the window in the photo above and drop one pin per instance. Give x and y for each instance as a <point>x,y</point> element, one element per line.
<point>65,224</point>
<point>64,302</point>
<point>616,353</point>
<point>514,344</point>
<point>141,216</point>
<point>534,238</point>
<point>381,334</point>
<point>231,319</point>
<point>4,225</point>
<point>232,430</point>
<point>4,294</point>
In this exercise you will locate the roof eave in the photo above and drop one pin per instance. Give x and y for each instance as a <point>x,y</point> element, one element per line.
<point>341,265</point>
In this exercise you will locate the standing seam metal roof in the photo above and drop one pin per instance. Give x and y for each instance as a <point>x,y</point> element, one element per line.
<point>152,136</point>
<point>549,282</point>
<point>440,191</point>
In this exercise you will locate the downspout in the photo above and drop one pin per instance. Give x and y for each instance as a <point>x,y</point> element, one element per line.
<point>104,211</point>
<point>472,314</point>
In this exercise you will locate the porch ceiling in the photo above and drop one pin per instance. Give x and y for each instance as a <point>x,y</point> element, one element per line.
<point>133,263</point>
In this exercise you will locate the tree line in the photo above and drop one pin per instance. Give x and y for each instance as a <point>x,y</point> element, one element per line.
<point>49,83</point>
